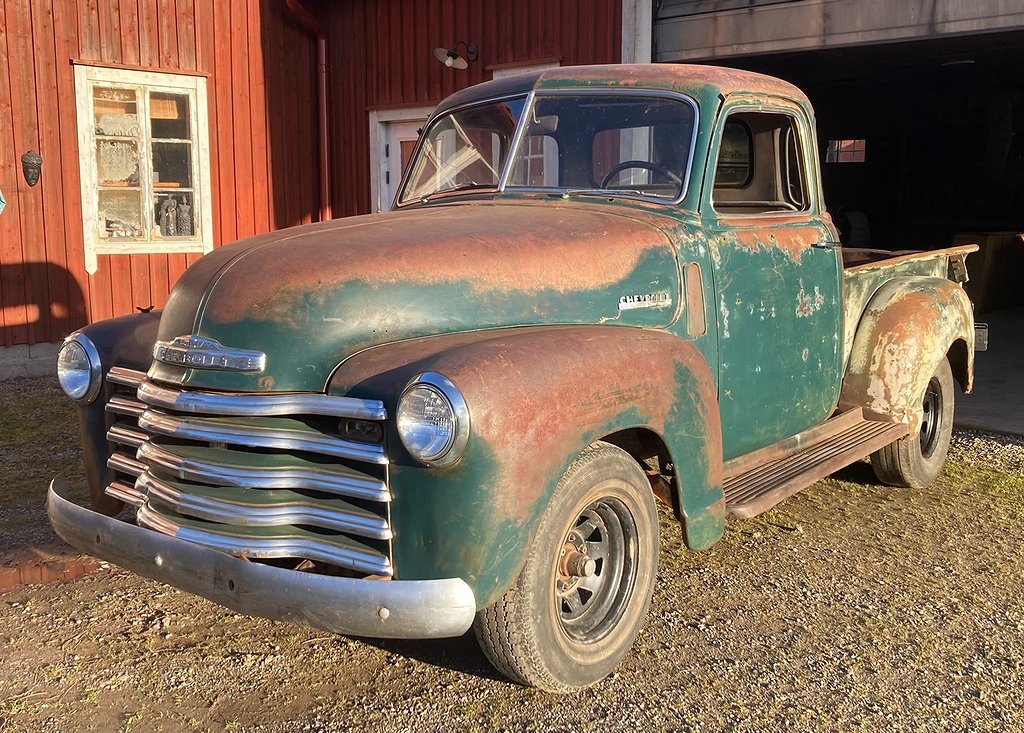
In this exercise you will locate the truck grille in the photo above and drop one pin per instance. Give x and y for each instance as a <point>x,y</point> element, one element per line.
<point>261,476</point>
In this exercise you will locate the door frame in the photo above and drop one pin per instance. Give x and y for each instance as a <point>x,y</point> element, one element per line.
<point>379,121</point>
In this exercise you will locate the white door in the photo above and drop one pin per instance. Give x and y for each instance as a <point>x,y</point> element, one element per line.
<point>399,141</point>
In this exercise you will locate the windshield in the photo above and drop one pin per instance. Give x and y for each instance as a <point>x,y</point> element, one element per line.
<point>466,149</point>
<point>624,143</point>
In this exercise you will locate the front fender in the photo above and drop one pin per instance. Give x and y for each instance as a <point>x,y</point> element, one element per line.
<point>537,397</point>
<point>909,325</point>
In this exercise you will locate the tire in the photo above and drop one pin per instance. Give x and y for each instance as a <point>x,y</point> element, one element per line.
<point>916,462</point>
<point>582,596</point>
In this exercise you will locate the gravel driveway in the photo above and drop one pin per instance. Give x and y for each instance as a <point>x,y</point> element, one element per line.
<point>850,607</point>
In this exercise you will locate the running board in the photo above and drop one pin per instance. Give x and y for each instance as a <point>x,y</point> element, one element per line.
<point>757,481</point>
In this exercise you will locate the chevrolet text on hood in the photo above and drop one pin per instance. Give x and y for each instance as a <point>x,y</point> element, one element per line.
<point>601,287</point>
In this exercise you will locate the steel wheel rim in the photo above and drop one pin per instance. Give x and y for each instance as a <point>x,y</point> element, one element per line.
<point>589,607</point>
<point>931,417</point>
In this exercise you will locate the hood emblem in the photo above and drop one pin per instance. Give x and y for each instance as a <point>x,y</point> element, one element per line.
<point>199,352</point>
<point>645,300</point>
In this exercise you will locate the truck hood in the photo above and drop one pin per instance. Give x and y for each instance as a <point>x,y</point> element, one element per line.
<point>311,296</point>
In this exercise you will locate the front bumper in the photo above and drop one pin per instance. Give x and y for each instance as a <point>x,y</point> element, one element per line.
<point>397,609</point>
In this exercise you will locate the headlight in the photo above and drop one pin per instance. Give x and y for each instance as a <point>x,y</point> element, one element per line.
<point>78,368</point>
<point>433,420</point>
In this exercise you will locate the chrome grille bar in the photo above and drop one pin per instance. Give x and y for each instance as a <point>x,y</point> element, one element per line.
<point>126,377</point>
<point>286,437</point>
<point>125,492</point>
<point>258,405</point>
<point>263,508</point>
<point>125,464</point>
<point>274,472</point>
<point>287,544</point>
<point>125,435</point>
<point>121,405</point>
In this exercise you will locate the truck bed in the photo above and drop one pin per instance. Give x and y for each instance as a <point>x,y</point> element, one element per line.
<point>865,270</point>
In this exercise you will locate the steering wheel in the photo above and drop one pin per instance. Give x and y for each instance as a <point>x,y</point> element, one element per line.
<point>645,164</point>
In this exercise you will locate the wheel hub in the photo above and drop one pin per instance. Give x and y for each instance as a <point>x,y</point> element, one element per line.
<point>595,570</point>
<point>931,411</point>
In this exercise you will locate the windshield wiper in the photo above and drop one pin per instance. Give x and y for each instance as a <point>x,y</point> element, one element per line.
<point>597,192</point>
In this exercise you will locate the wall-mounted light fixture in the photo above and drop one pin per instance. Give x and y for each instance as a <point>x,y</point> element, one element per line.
<point>450,56</point>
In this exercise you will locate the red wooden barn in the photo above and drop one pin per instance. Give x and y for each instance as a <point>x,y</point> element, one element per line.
<point>155,130</point>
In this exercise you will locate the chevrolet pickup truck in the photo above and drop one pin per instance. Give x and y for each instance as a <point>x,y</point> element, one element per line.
<point>600,287</point>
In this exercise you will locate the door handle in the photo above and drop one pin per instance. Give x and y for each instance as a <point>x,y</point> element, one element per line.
<point>829,246</point>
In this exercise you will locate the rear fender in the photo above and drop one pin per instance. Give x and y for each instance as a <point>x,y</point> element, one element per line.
<point>537,397</point>
<point>909,325</point>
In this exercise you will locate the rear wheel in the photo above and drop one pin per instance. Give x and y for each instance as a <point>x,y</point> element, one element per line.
<point>916,462</point>
<point>584,591</point>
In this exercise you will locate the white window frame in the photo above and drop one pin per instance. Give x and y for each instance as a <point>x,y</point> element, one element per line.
<point>86,77</point>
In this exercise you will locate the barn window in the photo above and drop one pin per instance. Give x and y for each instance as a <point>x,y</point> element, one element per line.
<point>845,151</point>
<point>144,154</point>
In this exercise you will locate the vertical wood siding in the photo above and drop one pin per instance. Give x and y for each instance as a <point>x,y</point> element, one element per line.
<point>260,68</point>
<point>382,56</point>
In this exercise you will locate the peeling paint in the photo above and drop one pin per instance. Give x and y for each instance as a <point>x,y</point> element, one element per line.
<point>806,305</point>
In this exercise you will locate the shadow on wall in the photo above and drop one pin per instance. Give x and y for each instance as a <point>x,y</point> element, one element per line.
<point>290,64</point>
<point>40,302</point>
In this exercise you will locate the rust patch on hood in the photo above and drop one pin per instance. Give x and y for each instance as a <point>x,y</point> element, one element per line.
<point>493,247</point>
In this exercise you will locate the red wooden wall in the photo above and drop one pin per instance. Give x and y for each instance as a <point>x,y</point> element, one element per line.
<point>260,66</point>
<point>382,56</point>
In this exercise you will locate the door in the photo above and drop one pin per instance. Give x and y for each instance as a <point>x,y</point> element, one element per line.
<point>399,142</point>
<point>777,277</point>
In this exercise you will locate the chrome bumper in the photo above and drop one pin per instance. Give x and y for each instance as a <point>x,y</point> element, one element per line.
<point>397,609</point>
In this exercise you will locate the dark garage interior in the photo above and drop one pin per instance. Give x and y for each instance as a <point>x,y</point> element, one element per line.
<point>942,125</point>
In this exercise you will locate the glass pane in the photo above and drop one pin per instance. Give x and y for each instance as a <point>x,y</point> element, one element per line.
<point>169,116</point>
<point>464,150</point>
<point>174,214</point>
<point>734,156</point>
<point>631,144</point>
<point>538,163</point>
<point>117,162</point>
<point>120,214</point>
<point>115,112</point>
<point>172,165</point>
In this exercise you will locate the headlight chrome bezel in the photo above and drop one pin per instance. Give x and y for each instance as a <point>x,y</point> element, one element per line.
<point>446,389</point>
<point>92,354</point>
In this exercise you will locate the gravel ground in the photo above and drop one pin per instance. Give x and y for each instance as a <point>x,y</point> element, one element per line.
<point>851,607</point>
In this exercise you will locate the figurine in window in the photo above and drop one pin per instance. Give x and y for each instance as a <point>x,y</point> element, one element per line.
<point>168,217</point>
<point>184,217</point>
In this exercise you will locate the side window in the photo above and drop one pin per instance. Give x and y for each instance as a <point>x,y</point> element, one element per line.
<point>760,167</point>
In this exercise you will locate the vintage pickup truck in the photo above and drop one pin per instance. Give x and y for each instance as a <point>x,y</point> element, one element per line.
<point>600,287</point>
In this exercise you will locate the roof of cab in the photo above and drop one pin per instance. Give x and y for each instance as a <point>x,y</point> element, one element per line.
<point>693,79</point>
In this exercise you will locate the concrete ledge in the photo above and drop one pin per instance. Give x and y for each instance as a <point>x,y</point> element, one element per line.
<point>35,360</point>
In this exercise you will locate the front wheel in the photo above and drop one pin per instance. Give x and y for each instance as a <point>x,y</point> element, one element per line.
<point>584,591</point>
<point>916,462</point>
